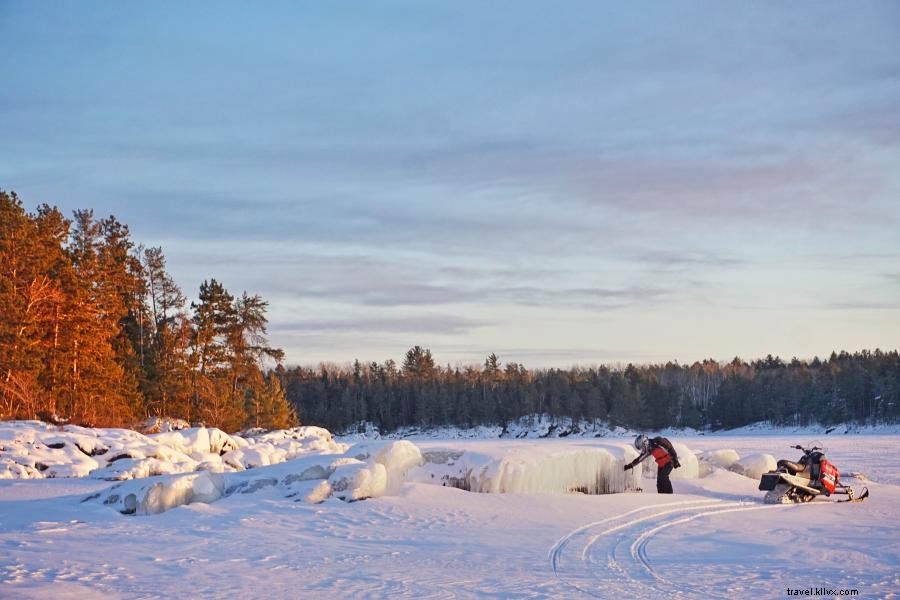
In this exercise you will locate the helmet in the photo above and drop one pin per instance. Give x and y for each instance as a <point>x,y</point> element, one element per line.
<point>641,442</point>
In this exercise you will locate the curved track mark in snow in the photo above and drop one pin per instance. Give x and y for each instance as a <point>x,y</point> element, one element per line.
<point>608,576</point>
<point>558,548</point>
<point>639,547</point>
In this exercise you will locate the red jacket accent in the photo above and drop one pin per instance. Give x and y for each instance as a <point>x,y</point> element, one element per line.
<point>662,457</point>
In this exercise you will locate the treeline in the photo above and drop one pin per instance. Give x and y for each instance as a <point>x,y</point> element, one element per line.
<point>94,331</point>
<point>864,387</point>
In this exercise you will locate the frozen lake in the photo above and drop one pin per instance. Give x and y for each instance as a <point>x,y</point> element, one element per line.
<point>712,538</point>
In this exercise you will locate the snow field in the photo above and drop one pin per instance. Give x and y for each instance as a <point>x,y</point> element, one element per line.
<point>712,538</point>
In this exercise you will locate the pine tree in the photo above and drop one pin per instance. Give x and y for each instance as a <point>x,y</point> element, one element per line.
<point>167,363</point>
<point>30,297</point>
<point>268,406</point>
<point>214,320</point>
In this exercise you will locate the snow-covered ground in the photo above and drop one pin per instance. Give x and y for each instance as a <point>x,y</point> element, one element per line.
<point>276,531</point>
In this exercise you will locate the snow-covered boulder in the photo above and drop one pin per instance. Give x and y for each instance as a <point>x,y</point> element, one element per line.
<point>153,496</point>
<point>161,424</point>
<point>35,450</point>
<point>199,440</point>
<point>32,449</point>
<point>754,465</point>
<point>302,440</point>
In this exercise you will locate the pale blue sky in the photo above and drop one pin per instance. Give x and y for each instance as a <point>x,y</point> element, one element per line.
<point>559,183</point>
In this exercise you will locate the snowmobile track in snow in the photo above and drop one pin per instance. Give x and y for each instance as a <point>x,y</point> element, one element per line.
<point>601,574</point>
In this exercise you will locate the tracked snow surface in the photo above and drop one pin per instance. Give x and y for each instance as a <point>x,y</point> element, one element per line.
<point>197,513</point>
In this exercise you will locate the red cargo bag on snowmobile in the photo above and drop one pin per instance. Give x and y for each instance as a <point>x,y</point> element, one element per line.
<point>828,476</point>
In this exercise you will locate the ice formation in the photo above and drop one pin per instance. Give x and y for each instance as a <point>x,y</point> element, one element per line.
<point>522,468</point>
<point>754,465</point>
<point>160,471</point>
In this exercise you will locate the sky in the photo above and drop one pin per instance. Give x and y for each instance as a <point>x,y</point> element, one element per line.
<point>586,183</point>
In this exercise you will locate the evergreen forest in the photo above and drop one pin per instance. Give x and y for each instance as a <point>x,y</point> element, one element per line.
<point>862,387</point>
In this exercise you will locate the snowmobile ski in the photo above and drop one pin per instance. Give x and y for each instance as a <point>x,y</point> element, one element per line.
<point>861,498</point>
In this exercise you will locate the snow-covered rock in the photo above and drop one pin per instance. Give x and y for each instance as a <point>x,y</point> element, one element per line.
<point>162,424</point>
<point>32,449</point>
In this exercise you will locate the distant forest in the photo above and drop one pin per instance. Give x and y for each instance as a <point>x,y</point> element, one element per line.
<point>94,331</point>
<point>863,386</point>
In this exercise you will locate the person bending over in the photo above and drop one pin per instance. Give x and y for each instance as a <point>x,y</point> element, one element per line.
<point>666,459</point>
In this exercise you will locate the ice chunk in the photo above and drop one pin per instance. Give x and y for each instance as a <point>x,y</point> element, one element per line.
<point>153,496</point>
<point>690,466</point>
<point>754,465</point>
<point>398,458</point>
<point>359,481</point>
<point>720,458</point>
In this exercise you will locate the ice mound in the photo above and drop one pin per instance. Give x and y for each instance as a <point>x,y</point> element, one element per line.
<point>690,466</point>
<point>523,468</point>
<point>358,481</point>
<point>754,465</point>
<point>721,458</point>
<point>396,457</point>
<point>717,459</point>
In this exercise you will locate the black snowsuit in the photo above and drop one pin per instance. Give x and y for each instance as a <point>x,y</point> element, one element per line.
<point>666,459</point>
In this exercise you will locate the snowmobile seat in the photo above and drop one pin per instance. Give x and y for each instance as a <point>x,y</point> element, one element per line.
<point>790,466</point>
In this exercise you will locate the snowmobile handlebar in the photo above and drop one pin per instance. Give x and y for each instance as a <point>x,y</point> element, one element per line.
<point>807,450</point>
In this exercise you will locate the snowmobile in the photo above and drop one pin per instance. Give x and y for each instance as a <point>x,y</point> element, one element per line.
<point>808,478</point>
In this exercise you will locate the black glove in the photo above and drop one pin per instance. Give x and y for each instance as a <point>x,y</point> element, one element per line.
<point>675,463</point>
<point>626,467</point>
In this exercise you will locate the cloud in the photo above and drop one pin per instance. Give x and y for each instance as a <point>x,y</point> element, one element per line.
<point>424,324</point>
<point>853,305</point>
<point>669,260</point>
<point>398,294</point>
